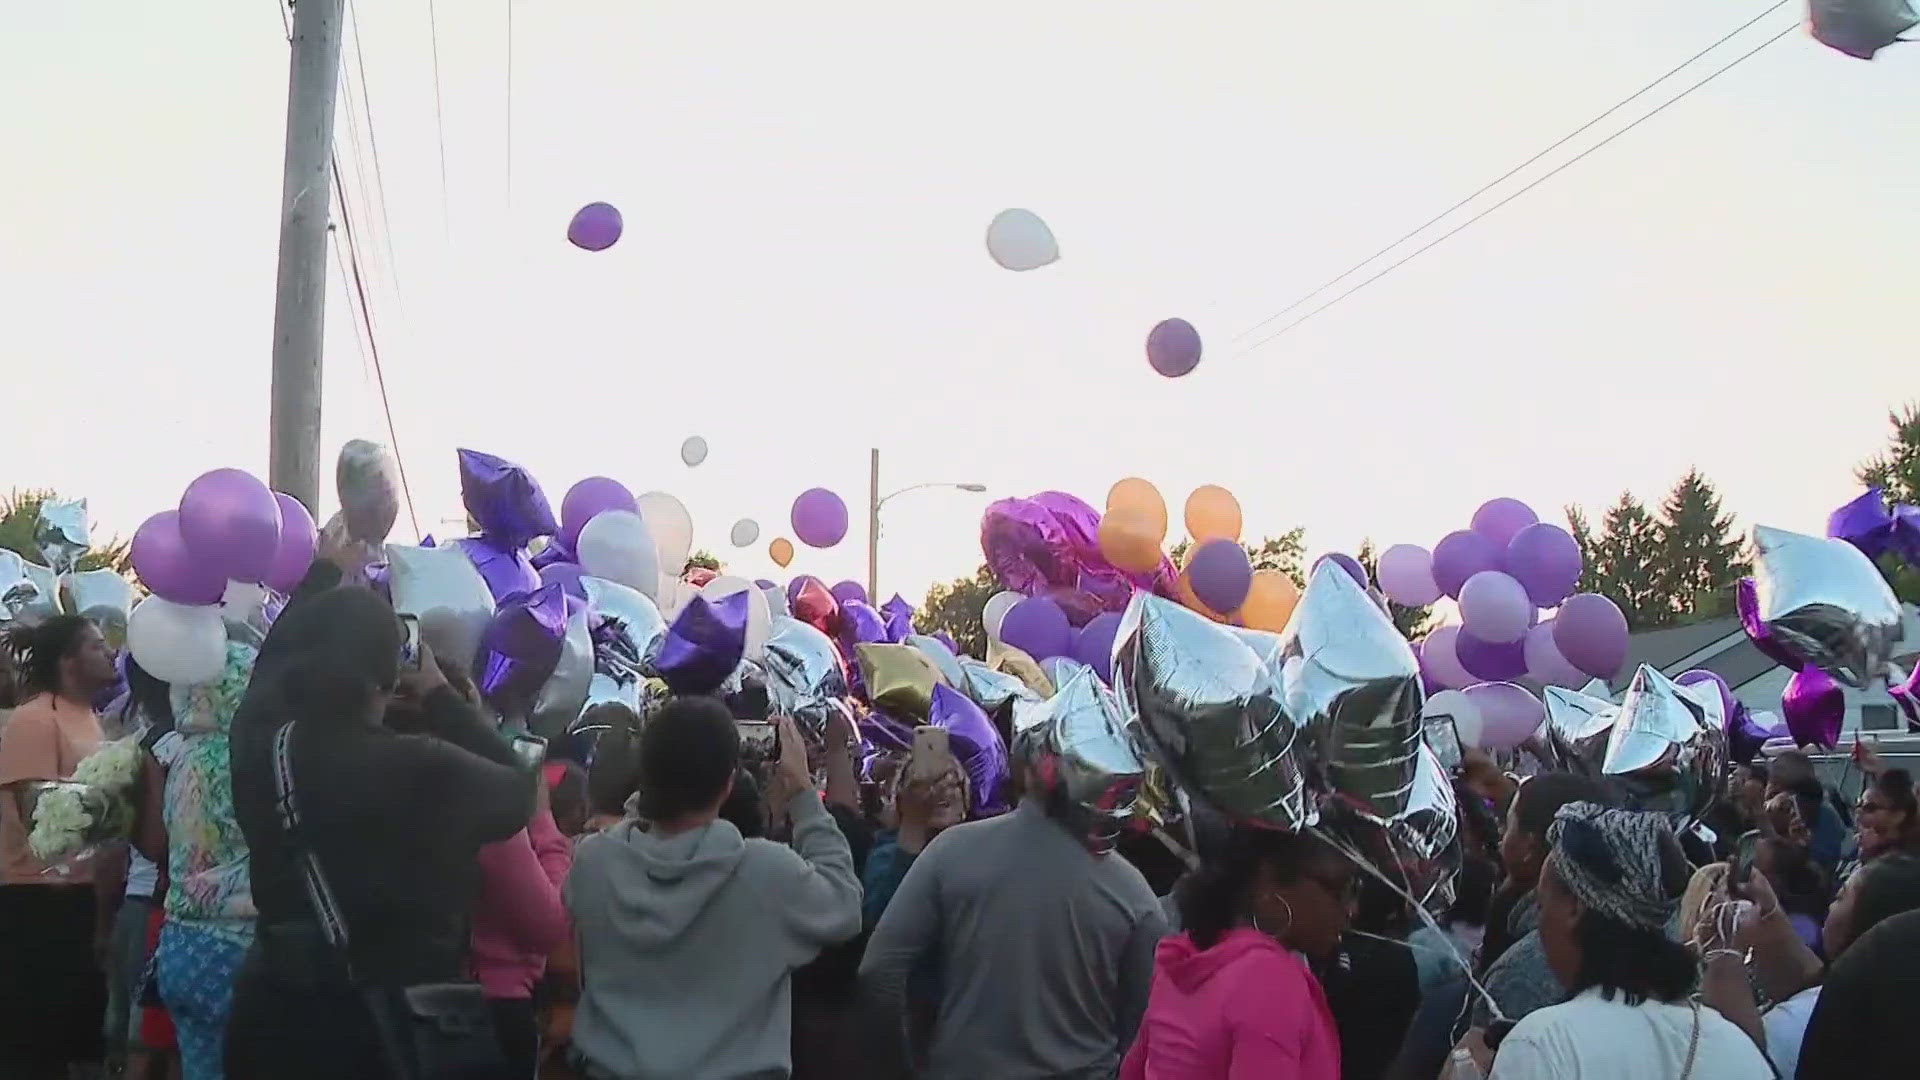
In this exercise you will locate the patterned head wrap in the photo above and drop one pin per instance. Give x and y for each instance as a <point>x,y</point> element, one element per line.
<point>1612,862</point>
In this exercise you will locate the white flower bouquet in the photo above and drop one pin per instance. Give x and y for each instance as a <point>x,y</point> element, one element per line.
<point>70,817</point>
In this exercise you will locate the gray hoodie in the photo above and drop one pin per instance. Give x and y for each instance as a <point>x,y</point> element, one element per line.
<point>688,943</point>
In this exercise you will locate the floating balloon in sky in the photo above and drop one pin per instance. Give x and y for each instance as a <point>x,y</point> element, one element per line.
<point>780,551</point>
<point>1019,240</point>
<point>595,226</point>
<point>819,518</point>
<point>746,532</point>
<point>693,451</point>
<point>1173,348</point>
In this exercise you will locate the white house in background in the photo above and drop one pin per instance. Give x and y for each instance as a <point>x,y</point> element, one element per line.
<point>1721,646</point>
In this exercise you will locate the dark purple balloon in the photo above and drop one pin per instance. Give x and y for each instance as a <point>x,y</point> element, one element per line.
<point>1037,627</point>
<point>299,541</point>
<point>595,226</point>
<point>1747,603</point>
<point>1494,661</point>
<point>976,743</point>
<point>1219,573</point>
<point>946,639</point>
<point>167,567</point>
<point>1728,703</point>
<point>1173,347</point>
<point>819,518</point>
<point>1591,633</point>
<point>504,500</point>
<point>703,644</point>
<point>1864,522</point>
<point>1051,541</point>
<point>1545,560</point>
<point>896,605</point>
<point>231,522</point>
<point>507,571</point>
<point>844,591</point>
<point>1814,706</point>
<point>1460,555</point>
<point>860,624</point>
<point>567,575</point>
<point>1500,520</point>
<point>554,552</point>
<point>1094,647</point>
<point>1345,562</point>
<point>520,649</point>
<point>587,498</point>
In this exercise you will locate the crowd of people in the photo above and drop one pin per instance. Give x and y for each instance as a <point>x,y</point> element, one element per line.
<point>341,867</point>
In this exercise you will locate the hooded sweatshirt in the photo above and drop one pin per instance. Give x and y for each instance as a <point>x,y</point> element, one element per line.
<point>688,943</point>
<point>1245,1009</point>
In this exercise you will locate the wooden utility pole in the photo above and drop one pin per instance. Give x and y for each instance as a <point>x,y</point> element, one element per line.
<point>873,523</point>
<point>299,309</point>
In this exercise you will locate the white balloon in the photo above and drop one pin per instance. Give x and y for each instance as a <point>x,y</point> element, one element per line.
<point>777,600</point>
<point>759,615</point>
<point>182,644</point>
<point>694,450</point>
<point>674,594</point>
<point>1019,240</point>
<point>996,610</point>
<point>440,588</point>
<point>1465,714</point>
<point>745,532</point>
<point>617,546</point>
<point>671,528</point>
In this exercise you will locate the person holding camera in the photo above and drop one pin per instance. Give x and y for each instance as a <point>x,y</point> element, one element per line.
<point>689,933</point>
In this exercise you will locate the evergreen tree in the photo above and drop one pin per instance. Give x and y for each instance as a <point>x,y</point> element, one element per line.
<point>1622,561</point>
<point>1700,555</point>
<point>1897,473</point>
<point>20,516</point>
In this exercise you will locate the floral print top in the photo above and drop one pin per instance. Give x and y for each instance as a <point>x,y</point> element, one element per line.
<point>206,853</point>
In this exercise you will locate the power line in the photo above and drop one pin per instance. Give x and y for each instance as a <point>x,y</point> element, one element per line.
<point>439,118</point>
<point>373,146</point>
<point>1503,177</point>
<point>1555,171</point>
<point>509,104</point>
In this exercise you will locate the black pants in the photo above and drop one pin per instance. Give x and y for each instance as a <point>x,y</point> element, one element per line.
<point>53,994</point>
<point>519,1030</point>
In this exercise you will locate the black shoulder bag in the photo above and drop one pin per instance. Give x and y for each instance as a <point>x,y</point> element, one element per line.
<point>433,1031</point>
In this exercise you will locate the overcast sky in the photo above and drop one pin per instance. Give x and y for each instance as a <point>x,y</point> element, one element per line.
<point>805,187</point>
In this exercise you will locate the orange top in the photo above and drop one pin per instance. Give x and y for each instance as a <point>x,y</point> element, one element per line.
<point>44,740</point>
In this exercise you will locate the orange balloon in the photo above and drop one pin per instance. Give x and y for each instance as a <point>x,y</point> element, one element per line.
<point>1212,512</point>
<point>1270,601</point>
<point>781,550</point>
<point>1184,588</point>
<point>1128,540</point>
<point>1134,493</point>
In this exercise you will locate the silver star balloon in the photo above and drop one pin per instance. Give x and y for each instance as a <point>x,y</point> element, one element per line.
<point>606,689</point>
<point>941,656</point>
<point>1210,712</point>
<point>1419,847</point>
<point>1827,604</point>
<point>1077,747</point>
<point>626,623</point>
<point>439,587</point>
<point>1352,681</point>
<point>990,689</point>
<point>61,533</point>
<point>1577,728</point>
<point>804,677</point>
<point>564,694</point>
<point>103,596</point>
<point>1664,748</point>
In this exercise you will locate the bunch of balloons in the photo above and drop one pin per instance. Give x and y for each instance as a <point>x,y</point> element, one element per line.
<point>1217,577</point>
<point>30,592</point>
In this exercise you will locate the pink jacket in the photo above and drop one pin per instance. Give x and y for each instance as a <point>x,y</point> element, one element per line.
<point>1246,1009</point>
<point>518,918</point>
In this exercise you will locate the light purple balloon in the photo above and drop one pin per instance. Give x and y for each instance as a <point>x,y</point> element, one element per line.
<point>567,574</point>
<point>299,541</point>
<point>590,497</point>
<point>507,571</point>
<point>1495,660</point>
<point>1094,646</point>
<point>1173,347</point>
<point>595,226</point>
<point>1729,705</point>
<point>1037,627</point>
<point>1460,555</point>
<point>1545,665</point>
<point>1545,559</point>
<point>1440,662</point>
<point>1220,574</point>
<point>819,518</point>
<point>844,591</point>
<point>231,522</point>
<point>1499,519</point>
<point>1405,574</point>
<point>167,568</point>
<point>1494,608</point>
<point>1509,715</point>
<point>1345,562</point>
<point>1591,633</point>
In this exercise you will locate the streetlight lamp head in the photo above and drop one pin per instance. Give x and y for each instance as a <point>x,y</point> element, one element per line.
<point>975,488</point>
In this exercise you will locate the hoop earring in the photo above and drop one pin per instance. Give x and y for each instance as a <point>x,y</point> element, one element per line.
<point>1284,929</point>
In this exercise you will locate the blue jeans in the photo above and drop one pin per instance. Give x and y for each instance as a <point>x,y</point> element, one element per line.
<point>196,964</point>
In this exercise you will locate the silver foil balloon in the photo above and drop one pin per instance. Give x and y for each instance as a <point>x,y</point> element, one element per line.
<point>1209,711</point>
<point>777,603</point>
<point>605,689</point>
<point>804,676</point>
<point>61,532</point>
<point>1078,750</point>
<point>1418,848</point>
<point>16,589</point>
<point>1352,682</point>
<point>103,596</point>
<point>990,689</point>
<point>439,587</point>
<point>1665,749</point>
<point>942,658</point>
<point>627,625</point>
<point>1578,728</point>
<point>1827,604</point>
<point>34,597</point>
<point>366,477</point>
<point>564,694</point>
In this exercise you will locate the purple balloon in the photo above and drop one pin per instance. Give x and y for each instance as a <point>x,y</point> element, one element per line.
<point>565,574</point>
<point>1440,660</point>
<point>231,523</point>
<point>1405,572</point>
<point>504,500</point>
<point>1591,633</point>
<point>587,498</point>
<point>703,644</point>
<point>1545,559</point>
<point>1729,704</point>
<point>1219,573</point>
<point>554,552</point>
<point>1345,562</point>
<point>168,569</point>
<point>976,742</point>
<point>946,639</point>
<point>507,571</point>
<point>819,518</point>
<point>1545,665</point>
<point>1814,706</point>
<point>1460,555</point>
<point>1037,627</point>
<point>860,624</point>
<point>844,591</point>
<point>1500,519</point>
<point>1051,542</point>
<point>1497,661</point>
<point>595,226</point>
<point>1747,603</point>
<point>1094,647</point>
<point>299,541</point>
<point>763,583</point>
<point>1494,608</point>
<point>1508,714</point>
<point>520,649</point>
<point>1173,347</point>
<point>1863,522</point>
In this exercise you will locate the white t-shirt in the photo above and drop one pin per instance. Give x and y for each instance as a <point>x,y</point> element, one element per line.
<point>1786,1027</point>
<point>1591,1038</point>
